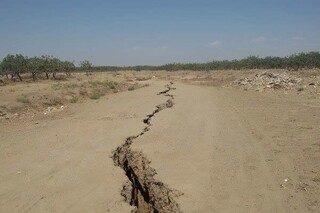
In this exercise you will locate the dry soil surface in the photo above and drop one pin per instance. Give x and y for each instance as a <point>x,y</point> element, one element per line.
<point>213,150</point>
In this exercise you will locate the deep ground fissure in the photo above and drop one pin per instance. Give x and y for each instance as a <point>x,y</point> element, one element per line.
<point>142,190</point>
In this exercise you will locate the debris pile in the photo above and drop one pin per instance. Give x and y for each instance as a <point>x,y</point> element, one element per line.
<point>268,80</point>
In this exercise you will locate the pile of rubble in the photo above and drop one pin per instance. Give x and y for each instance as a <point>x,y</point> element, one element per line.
<point>268,80</point>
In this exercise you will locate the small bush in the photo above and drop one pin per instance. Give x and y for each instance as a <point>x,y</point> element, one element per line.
<point>95,96</point>
<point>74,99</point>
<point>55,101</point>
<point>94,83</point>
<point>71,86</point>
<point>143,78</point>
<point>131,88</point>
<point>108,84</point>
<point>83,92</point>
<point>23,99</point>
<point>56,86</point>
<point>111,86</point>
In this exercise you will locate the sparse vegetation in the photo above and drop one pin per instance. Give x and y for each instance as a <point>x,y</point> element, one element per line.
<point>106,84</point>
<point>83,91</point>
<point>74,99</point>
<point>95,95</point>
<point>86,66</point>
<point>131,88</point>
<point>56,86</point>
<point>23,99</point>
<point>71,86</point>
<point>55,101</point>
<point>300,89</point>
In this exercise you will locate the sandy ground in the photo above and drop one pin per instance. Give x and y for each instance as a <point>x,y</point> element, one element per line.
<point>223,149</point>
<point>230,151</point>
<point>63,164</point>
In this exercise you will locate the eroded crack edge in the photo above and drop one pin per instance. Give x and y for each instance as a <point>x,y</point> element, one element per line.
<point>142,190</point>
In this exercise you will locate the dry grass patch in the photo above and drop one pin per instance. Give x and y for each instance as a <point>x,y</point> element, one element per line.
<point>23,99</point>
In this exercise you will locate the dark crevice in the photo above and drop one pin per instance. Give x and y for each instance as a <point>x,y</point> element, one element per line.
<point>143,191</point>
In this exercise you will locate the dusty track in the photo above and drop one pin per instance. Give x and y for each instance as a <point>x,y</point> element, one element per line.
<point>224,150</point>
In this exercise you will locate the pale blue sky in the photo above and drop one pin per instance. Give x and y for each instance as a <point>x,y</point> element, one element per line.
<point>158,31</point>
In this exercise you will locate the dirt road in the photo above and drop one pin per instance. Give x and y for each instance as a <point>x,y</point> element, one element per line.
<point>213,150</point>
<point>219,158</point>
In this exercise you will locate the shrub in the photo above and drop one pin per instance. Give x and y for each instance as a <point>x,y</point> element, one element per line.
<point>131,88</point>
<point>83,92</point>
<point>23,99</point>
<point>71,86</point>
<point>300,89</point>
<point>93,83</point>
<point>111,86</point>
<point>96,94</point>
<point>56,86</point>
<point>108,84</point>
<point>55,101</point>
<point>74,99</point>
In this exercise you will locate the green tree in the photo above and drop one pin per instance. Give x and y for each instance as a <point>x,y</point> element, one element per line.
<point>46,64</point>
<point>34,66</point>
<point>68,67</point>
<point>14,65</point>
<point>55,66</point>
<point>86,66</point>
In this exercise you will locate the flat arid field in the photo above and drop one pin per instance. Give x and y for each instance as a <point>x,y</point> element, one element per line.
<point>185,141</point>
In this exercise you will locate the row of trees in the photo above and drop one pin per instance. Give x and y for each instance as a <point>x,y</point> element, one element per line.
<point>16,65</point>
<point>293,62</point>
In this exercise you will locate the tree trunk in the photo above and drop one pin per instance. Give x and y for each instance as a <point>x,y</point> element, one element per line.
<point>34,76</point>
<point>47,75</point>
<point>7,75</point>
<point>54,75</point>
<point>19,76</point>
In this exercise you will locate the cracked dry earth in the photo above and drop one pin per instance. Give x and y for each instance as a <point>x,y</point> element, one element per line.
<point>201,149</point>
<point>143,191</point>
